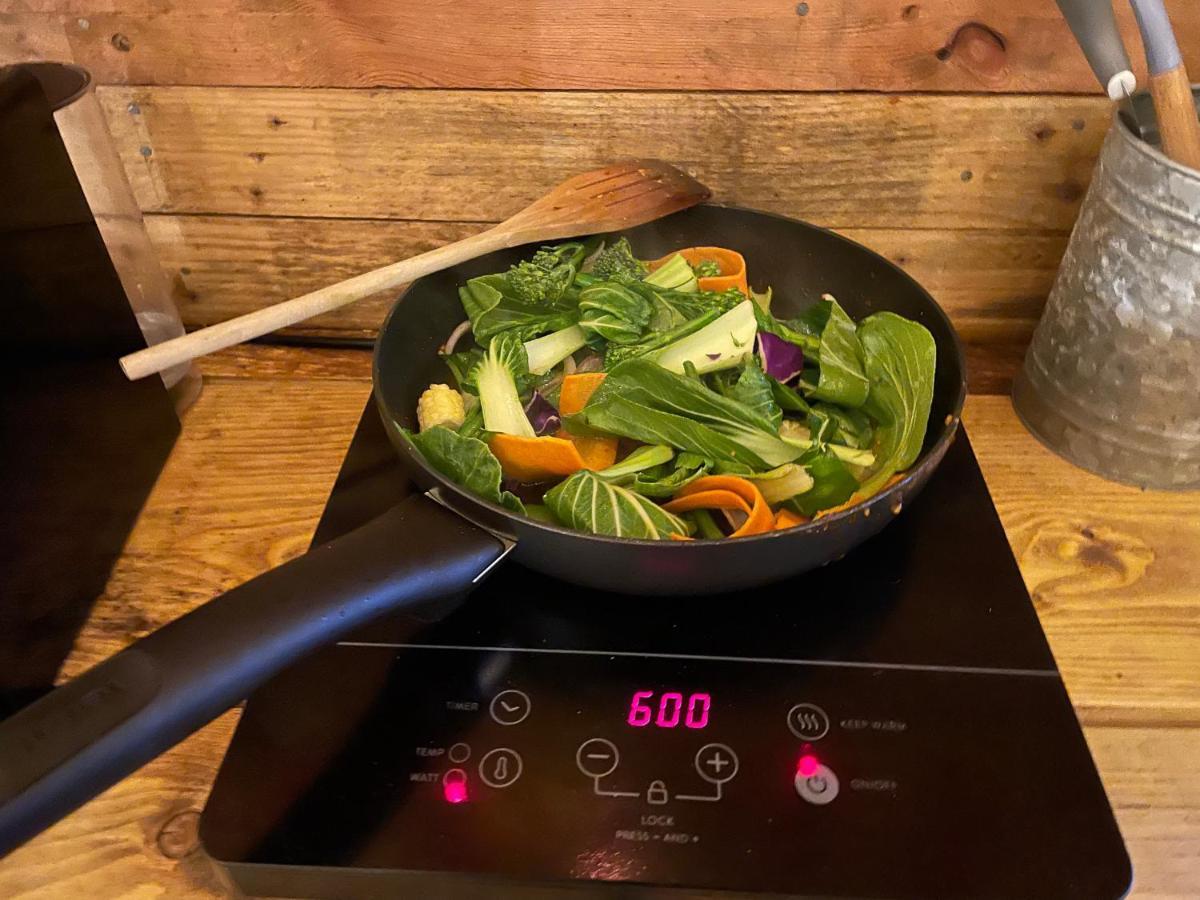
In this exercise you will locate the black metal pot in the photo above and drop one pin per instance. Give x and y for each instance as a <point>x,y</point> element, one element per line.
<point>86,735</point>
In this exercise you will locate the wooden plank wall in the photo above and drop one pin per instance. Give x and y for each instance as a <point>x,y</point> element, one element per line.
<point>278,144</point>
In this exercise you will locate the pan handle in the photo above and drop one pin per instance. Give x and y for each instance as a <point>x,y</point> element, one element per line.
<point>90,733</point>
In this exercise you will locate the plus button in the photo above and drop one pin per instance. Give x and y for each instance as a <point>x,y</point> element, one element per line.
<point>717,762</point>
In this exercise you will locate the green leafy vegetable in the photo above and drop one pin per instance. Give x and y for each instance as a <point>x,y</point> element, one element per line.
<point>706,525</point>
<point>667,479</point>
<point>613,312</point>
<point>674,275</point>
<point>472,424</point>
<point>587,502</point>
<point>753,389</point>
<point>616,262</point>
<point>792,332</point>
<point>641,400</point>
<point>788,398</point>
<point>782,483</point>
<point>842,379</point>
<point>462,364</point>
<point>762,300</point>
<point>494,307</point>
<point>656,340</point>
<point>639,459</point>
<point>546,278</point>
<point>548,351</point>
<point>707,268</point>
<point>721,344</point>
<point>833,424</point>
<point>496,379</point>
<point>467,462</point>
<point>674,308</point>
<point>832,486</point>
<point>901,359</point>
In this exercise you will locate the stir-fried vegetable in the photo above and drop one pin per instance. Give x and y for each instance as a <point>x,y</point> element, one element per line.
<point>740,423</point>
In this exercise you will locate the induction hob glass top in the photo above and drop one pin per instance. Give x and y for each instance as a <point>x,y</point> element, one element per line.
<point>892,725</point>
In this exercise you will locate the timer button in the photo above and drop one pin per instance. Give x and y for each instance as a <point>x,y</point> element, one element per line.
<point>818,788</point>
<point>808,721</point>
<point>510,707</point>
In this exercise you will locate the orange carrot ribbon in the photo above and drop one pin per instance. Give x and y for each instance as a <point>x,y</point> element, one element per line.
<point>726,492</point>
<point>732,264</point>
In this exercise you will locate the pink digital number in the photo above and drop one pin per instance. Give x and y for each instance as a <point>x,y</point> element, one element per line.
<point>697,711</point>
<point>670,705</point>
<point>640,713</point>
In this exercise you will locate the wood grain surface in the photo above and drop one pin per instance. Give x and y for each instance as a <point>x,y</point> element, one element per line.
<point>992,283</point>
<point>841,160</point>
<point>1112,570</point>
<point>884,45</point>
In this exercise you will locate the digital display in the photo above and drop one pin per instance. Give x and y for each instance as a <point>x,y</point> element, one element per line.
<point>669,709</point>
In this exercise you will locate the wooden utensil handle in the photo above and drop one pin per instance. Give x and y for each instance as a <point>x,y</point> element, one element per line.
<point>1176,111</point>
<point>243,328</point>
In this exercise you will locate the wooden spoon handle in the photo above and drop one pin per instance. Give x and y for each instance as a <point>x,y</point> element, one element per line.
<point>262,321</point>
<point>1176,111</point>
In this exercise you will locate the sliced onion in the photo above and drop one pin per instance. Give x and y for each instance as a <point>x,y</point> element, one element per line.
<point>590,363</point>
<point>459,330</point>
<point>569,365</point>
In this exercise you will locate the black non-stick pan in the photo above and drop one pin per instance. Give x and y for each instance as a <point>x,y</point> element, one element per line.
<point>91,732</point>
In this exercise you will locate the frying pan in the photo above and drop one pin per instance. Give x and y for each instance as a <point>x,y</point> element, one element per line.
<point>91,732</point>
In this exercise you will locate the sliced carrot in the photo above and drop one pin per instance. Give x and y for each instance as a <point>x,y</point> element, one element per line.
<point>680,537</point>
<point>535,458</point>
<point>732,263</point>
<point>576,389</point>
<point>597,452</point>
<point>726,492</point>
<point>785,518</point>
<point>707,500</point>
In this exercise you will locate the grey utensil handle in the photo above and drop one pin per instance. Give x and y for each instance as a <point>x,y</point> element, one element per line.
<point>1095,28</point>
<point>1162,50</point>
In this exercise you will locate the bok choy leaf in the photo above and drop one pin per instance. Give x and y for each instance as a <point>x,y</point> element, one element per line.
<point>901,358</point>
<point>587,502</point>
<point>466,461</point>
<point>641,400</point>
<point>493,306</point>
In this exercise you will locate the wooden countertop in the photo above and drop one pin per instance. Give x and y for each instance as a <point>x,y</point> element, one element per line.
<point>1114,572</point>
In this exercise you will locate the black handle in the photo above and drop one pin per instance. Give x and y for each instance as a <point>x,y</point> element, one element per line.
<point>90,733</point>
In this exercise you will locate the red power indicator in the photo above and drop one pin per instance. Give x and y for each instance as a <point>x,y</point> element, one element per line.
<point>454,786</point>
<point>808,765</point>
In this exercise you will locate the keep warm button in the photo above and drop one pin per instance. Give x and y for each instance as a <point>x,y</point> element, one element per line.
<point>819,787</point>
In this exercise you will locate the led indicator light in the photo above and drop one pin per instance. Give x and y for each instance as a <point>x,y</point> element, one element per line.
<point>454,786</point>
<point>808,765</point>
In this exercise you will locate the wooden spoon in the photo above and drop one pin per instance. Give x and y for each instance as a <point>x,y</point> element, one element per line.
<point>617,196</point>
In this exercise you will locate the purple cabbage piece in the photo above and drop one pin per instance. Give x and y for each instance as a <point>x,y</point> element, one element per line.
<point>542,416</point>
<point>781,359</point>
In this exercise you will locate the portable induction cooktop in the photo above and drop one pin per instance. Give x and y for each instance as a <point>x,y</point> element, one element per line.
<point>892,725</point>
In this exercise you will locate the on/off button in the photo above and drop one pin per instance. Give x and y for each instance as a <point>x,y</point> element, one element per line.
<point>819,787</point>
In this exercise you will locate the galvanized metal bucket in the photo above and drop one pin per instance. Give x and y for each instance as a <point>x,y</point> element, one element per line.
<point>1111,380</point>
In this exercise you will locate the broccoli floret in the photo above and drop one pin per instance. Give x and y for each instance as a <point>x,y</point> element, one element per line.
<point>617,263</point>
<point>546,277</point>
<point>707,268</point>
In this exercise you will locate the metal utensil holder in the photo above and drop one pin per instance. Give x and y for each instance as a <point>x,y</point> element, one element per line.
<point>1111,380</point>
